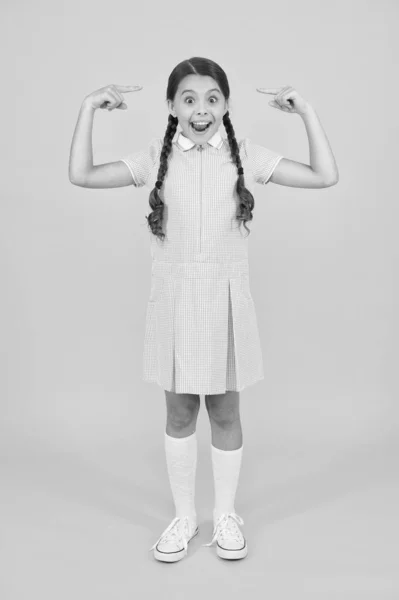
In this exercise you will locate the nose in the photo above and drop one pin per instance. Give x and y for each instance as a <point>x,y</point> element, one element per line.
<point>201,111</point>
<point>201,115</point>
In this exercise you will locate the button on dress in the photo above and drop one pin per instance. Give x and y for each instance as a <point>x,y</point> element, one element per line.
<point>201,330</point>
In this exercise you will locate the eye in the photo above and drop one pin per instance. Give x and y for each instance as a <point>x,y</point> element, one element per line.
<point>191,98</point>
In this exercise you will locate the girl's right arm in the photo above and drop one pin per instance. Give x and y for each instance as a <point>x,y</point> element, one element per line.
<point>82,172</point>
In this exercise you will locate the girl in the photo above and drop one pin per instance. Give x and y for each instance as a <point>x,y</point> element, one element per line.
<point>201,328</point>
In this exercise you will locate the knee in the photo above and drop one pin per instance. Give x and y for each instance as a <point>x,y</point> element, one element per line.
<point>180,418</point>
<point>223,417</point>
<point>182,409</point>
<point>223,409</point>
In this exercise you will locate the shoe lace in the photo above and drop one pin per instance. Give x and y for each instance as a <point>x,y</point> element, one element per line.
<point>175,532</point>
<point>226,527</point>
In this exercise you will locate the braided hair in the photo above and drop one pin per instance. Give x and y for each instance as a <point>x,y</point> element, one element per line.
<point>207,67</point>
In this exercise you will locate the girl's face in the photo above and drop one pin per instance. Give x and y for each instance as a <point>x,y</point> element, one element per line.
<point>198,98</point>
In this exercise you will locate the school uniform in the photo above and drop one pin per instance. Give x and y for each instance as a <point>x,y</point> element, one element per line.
<point>201,332</point>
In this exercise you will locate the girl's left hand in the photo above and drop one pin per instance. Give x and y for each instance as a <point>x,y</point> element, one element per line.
<point>286,99</point>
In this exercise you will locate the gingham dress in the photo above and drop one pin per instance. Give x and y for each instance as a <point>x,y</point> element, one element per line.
<point>201,331</point>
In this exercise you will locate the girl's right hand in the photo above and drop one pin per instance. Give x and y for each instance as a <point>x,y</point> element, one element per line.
<point>110,96</point>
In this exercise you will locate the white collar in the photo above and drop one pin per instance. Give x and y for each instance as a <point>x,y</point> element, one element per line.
<point>186,144</point>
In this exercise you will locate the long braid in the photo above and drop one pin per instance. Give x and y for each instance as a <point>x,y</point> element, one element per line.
<point>155,218</point>
<point>246,202</point>
<point>246,199</point>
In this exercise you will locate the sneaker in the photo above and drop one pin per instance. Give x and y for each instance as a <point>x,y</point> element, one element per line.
<point>173,542</point>
<point>230,542</point>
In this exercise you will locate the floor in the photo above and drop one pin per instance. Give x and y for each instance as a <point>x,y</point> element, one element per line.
<point>320,524</point>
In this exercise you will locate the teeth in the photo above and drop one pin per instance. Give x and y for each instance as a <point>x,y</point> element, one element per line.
<point>200,123</point>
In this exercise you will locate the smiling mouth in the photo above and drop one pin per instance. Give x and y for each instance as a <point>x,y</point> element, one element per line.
<point>200,128</point>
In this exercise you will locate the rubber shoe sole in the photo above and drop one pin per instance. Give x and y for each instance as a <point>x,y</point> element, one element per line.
<point>171,555</point>
<point>232,553</point>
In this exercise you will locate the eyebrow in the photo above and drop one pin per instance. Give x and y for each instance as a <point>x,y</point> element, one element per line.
<point>212,90</point>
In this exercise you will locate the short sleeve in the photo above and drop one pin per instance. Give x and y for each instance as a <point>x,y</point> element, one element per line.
<point>142,162</point>
<point>261,161</point>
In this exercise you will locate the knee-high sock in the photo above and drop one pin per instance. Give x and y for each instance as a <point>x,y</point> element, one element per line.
<point>226,466</point>
<point>181,459</point>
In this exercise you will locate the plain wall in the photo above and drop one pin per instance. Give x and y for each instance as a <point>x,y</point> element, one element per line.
<point>75,263</point>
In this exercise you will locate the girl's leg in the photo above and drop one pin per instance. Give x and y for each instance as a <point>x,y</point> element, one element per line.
<point>181,414</point>
<point>181,450</point>
<point>226,448</point>
<point>224,418</point>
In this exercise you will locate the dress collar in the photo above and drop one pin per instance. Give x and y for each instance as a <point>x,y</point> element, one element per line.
<point>186,144</point>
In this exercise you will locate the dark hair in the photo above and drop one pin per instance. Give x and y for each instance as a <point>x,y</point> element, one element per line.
<point>198,66</point>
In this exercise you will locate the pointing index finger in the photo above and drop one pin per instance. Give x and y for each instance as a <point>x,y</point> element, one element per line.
<point>128,88</point>
<point>267,90</point>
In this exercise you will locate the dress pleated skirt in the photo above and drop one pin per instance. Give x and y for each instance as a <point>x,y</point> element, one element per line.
<point>201,330</point>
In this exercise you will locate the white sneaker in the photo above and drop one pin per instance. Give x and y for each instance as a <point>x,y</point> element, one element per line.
<point>231,543</point>
<point>172,545</point>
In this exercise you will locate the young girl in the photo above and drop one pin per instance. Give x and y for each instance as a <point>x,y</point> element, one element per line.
<point>201,328</point>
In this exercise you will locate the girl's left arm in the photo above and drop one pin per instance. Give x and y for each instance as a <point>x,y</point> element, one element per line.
<point>322,171</point>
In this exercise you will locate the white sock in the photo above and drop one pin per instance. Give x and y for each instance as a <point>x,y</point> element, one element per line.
<point>181,459</point>
<point>226,466</point>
